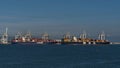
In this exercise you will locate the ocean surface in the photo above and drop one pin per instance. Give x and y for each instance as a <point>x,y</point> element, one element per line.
<point>59,56</point>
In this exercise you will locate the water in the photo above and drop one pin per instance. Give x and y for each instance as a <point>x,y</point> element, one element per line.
<point>59,56</point>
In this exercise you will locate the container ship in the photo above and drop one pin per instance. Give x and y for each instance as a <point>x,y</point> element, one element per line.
<point>84,40</point>
<point>28,39</point>
<point>46,40</point>
<point>23,39</point>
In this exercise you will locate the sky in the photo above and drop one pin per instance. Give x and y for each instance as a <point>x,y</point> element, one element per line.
<point>61,16</point>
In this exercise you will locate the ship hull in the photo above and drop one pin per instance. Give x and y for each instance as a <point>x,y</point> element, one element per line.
<point>48,43</point>
<point>23,43</point>
<point>73,43</point>
<point>102,42</point>
<point>78,43</point>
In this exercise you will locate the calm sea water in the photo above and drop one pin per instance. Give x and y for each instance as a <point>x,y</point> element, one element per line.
<point>59,56</point>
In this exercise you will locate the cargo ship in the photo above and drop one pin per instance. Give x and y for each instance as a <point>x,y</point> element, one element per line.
<point>28,39</point>
<point>46,40</point>
<point>102,39</point>
<point>24,39</point>
<point>84,40</point>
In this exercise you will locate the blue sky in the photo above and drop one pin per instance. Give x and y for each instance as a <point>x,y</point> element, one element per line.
<point>60,16</point>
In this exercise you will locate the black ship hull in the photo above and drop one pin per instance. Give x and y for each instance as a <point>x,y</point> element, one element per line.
<point>73,43</point>
<point>23,43</point>
<point>102,42</point>
<point>78,43</point>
